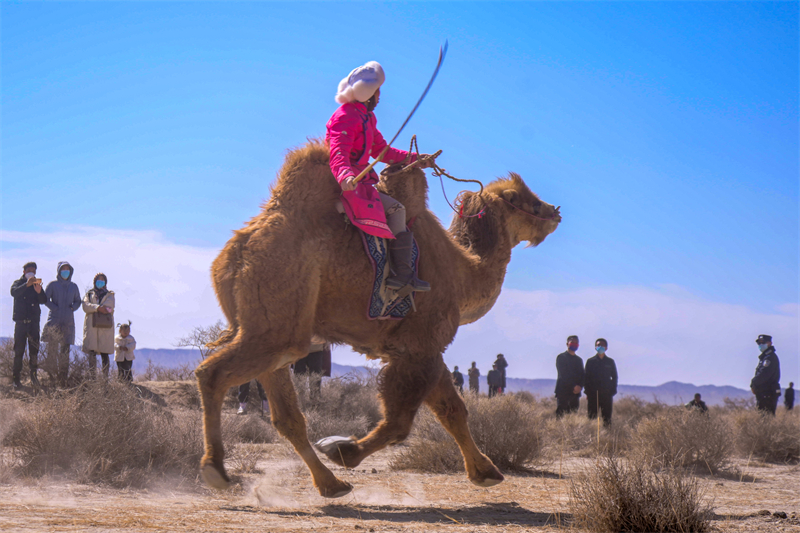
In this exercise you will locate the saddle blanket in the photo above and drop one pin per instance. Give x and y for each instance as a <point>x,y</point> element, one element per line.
<point>384,303</point>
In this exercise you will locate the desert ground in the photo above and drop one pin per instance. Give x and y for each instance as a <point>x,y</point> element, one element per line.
<point>276,495</point>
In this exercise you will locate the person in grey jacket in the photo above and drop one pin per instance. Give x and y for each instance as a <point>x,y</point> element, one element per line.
<point>63,299</point>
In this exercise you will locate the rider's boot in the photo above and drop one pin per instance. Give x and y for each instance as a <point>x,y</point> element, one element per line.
<point>400,250</point>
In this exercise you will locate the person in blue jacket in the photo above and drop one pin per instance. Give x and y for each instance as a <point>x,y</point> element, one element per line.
<point>63,299</point>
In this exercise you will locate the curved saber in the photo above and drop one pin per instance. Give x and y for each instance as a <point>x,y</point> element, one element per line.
<point>442,53</point>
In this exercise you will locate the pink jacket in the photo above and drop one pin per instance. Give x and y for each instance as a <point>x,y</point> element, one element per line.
<point>353,137</point>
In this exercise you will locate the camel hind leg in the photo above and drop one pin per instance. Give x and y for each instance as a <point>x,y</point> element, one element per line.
<point>289,421</point>
<point>451,412</point>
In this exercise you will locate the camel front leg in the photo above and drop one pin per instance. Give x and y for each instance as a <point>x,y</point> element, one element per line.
<point>289,421</point>
<point>450,410</point>
<point>403,385</point>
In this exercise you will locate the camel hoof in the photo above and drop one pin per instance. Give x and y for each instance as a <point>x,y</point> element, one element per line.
<point>340,450</point>
<point>490,479</point>
<point>341,489</point>
<point>214,478</point>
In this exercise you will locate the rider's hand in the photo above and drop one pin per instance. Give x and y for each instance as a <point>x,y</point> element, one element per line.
<point>349,184</point>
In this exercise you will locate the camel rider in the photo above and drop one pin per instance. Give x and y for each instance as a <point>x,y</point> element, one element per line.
<point>353,137</point>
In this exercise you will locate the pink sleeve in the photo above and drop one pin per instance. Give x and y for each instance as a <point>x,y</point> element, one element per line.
<point>392,155</point>
<point>341,132</point>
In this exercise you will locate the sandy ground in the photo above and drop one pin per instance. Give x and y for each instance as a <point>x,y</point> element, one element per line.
<point>280,499</point>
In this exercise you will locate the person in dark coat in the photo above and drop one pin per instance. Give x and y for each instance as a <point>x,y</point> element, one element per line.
<point>766,383</point>
<point>494,379</point>
<point>458,379</point>
<point>502,364</point>
<point>316,365</point>
<point>570,378</point>
<point>601,382</point>
<point>698,404</point>
<point>474,378</point>
<point>788,398</point>
<point>28,296</point>
<point>63,299</point>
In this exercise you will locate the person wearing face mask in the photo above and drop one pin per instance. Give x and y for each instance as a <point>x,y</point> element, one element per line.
<point>353,136</point>
<point>766,383</point>
<point>98,324</point>
<point>28,296</point>
<point>63,299</point>
<point>570,378</point>
<point>601,382</point>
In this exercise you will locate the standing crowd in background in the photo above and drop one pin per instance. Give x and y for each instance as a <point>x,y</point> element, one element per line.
<point>62,298</point>
<point>598,379</point>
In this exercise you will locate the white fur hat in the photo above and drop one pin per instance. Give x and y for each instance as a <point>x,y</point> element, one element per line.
<point>361,84</point>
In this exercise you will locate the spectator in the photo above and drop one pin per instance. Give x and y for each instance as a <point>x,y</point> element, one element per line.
<point>98,324</point>
<point>28,296</point>
<point>124,345</point>
<point>502,364</point>
<point>316,365</point>
<point>698,404</point>
<point>766,383</point>
<point>570,378</point>
<point>788,399</point>
<point>458,379</point>
<point>244,393</point>
<point>494,379</point>
<point>63,299</point>
<point>474,374</point>
<point>601,382</point>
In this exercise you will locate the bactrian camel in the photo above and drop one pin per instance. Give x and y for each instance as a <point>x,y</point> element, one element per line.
<point>297,270</point>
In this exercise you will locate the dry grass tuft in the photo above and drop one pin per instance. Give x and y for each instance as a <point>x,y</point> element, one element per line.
<point>769,438</point>
<point>615,495</point>
<point>103,432</point>
<point>346,406</point>
<point>684,438</point>
<point>154,372</point>
<point>250,428</point>
<point>508,431</point>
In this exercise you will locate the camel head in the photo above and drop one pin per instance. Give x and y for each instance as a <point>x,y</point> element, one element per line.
<point>508,203</point>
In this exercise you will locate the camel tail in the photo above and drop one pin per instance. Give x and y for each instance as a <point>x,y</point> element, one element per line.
<point>224,271</point>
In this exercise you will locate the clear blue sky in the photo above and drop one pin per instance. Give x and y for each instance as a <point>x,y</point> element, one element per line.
<point>667,131</point>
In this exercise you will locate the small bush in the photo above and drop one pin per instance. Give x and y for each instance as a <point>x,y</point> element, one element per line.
<point>154,372</point>
<point>685,438</point>
<point>250,428</point>
<point>614,495</point>
<point>768,438</point>
<point>346,406</point>
<point>103,432</point>
<point>508,431</point>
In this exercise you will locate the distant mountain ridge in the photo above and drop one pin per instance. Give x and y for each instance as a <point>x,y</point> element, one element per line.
<point>672,392</point>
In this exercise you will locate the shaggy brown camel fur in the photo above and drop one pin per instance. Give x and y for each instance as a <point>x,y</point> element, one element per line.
<point>297,270</point>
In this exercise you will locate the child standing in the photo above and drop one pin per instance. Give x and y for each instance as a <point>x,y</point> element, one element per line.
<point>124,345</point>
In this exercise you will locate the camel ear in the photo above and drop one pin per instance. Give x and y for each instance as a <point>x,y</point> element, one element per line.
<point>510,195</point>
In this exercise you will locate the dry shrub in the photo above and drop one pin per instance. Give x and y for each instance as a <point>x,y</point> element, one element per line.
<point>346,406</point>
<point>768,438</point>
<point>685,438</point>
<point>154,372</point>
<point>103,432</point>
<point>7,360</point>
<point>739,404</point>
<point>508,431</point>
<point>630,410</point>
<point>614,495</point>
<point>250,428</point>
<point>243,458</point>
<point>571,433</point>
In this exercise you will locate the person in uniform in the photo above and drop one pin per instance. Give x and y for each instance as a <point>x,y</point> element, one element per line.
<point>788,398</point>
<point>601,382</point>
<point>698,404</point>
<point>766,383</point>
<point>502,364</point>
<point>570,378</point>
<point>458,379</point>
<point>495,381</point>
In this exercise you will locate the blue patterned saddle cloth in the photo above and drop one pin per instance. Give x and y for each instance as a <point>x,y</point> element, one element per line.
<point>384,303</point>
